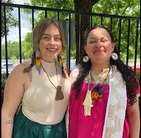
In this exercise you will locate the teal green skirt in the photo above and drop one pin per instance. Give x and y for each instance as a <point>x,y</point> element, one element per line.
<point>25,128</point>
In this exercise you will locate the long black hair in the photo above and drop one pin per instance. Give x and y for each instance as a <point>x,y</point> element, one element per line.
<point>126,71</point>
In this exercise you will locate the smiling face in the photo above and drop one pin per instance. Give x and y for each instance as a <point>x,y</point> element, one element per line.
<point>50,44</point>
<point>99,46</point>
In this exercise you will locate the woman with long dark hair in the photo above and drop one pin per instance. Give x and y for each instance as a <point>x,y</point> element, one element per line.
<point>104,94</point>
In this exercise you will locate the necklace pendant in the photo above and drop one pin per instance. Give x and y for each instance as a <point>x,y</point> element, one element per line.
<point>87,103</point>
<point>59,93</point>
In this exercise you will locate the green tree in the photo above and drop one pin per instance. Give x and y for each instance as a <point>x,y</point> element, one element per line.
<point>83,6</point>
<point>12,50</point>
<point>27,46</point>
<point>58,4</point>
<point>118,7</point>
<point>115,7</point>
<point>121,8</point>
<point>7,18</point>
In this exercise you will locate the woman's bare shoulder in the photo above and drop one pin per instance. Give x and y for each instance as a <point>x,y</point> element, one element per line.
<point>18,71</point>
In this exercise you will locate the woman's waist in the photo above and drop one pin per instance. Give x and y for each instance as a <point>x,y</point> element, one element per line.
<point>46,117</point>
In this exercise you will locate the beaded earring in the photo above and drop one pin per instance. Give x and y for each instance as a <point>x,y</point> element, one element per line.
<point>60,61</point>
<point>38,61</point>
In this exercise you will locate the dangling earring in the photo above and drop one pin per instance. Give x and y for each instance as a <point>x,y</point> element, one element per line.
<point>60,61</point>
<point>85,59</point>
<point>114,56</point>
<point>38,61</point>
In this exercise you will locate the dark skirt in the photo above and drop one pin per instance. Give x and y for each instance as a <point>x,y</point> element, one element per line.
<point>25,128</point>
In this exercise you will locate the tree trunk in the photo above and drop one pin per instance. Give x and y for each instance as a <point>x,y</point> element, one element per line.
<point>82,23</point>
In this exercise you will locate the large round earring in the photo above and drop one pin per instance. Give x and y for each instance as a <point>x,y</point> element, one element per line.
<point>38,61</point>
<point>85,59</point>
<point>114,56</point>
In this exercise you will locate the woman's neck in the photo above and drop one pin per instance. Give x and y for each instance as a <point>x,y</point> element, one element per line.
<point>49,60</point>
<point>99,74</point>
<point>98,69</point>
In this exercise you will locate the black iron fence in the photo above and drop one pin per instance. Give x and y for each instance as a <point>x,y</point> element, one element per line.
<point>125,29</point>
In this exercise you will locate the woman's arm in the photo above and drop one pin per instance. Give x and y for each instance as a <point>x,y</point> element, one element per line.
<point>133,116</point>
<point>13,94</point>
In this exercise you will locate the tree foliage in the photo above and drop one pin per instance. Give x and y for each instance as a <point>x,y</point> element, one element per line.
<point>58,4</point>
<point>13,48</point>
<point>7,18</point>
<point>111,7</point>
<point>118,7</point>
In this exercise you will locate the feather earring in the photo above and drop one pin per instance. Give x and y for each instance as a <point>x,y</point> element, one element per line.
<point>38,61</point>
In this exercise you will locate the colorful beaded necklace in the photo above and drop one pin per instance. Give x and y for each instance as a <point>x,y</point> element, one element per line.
<point>96,89</point>
<point>94,92</point>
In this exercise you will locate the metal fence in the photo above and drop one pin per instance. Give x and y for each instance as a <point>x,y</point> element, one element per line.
<point>117,24</point>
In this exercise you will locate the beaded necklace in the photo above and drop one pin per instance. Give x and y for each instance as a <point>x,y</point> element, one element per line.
<point>97,89</point>
<point>94,93</point>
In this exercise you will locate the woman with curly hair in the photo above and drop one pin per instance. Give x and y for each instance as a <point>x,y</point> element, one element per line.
<point>104,95</point>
